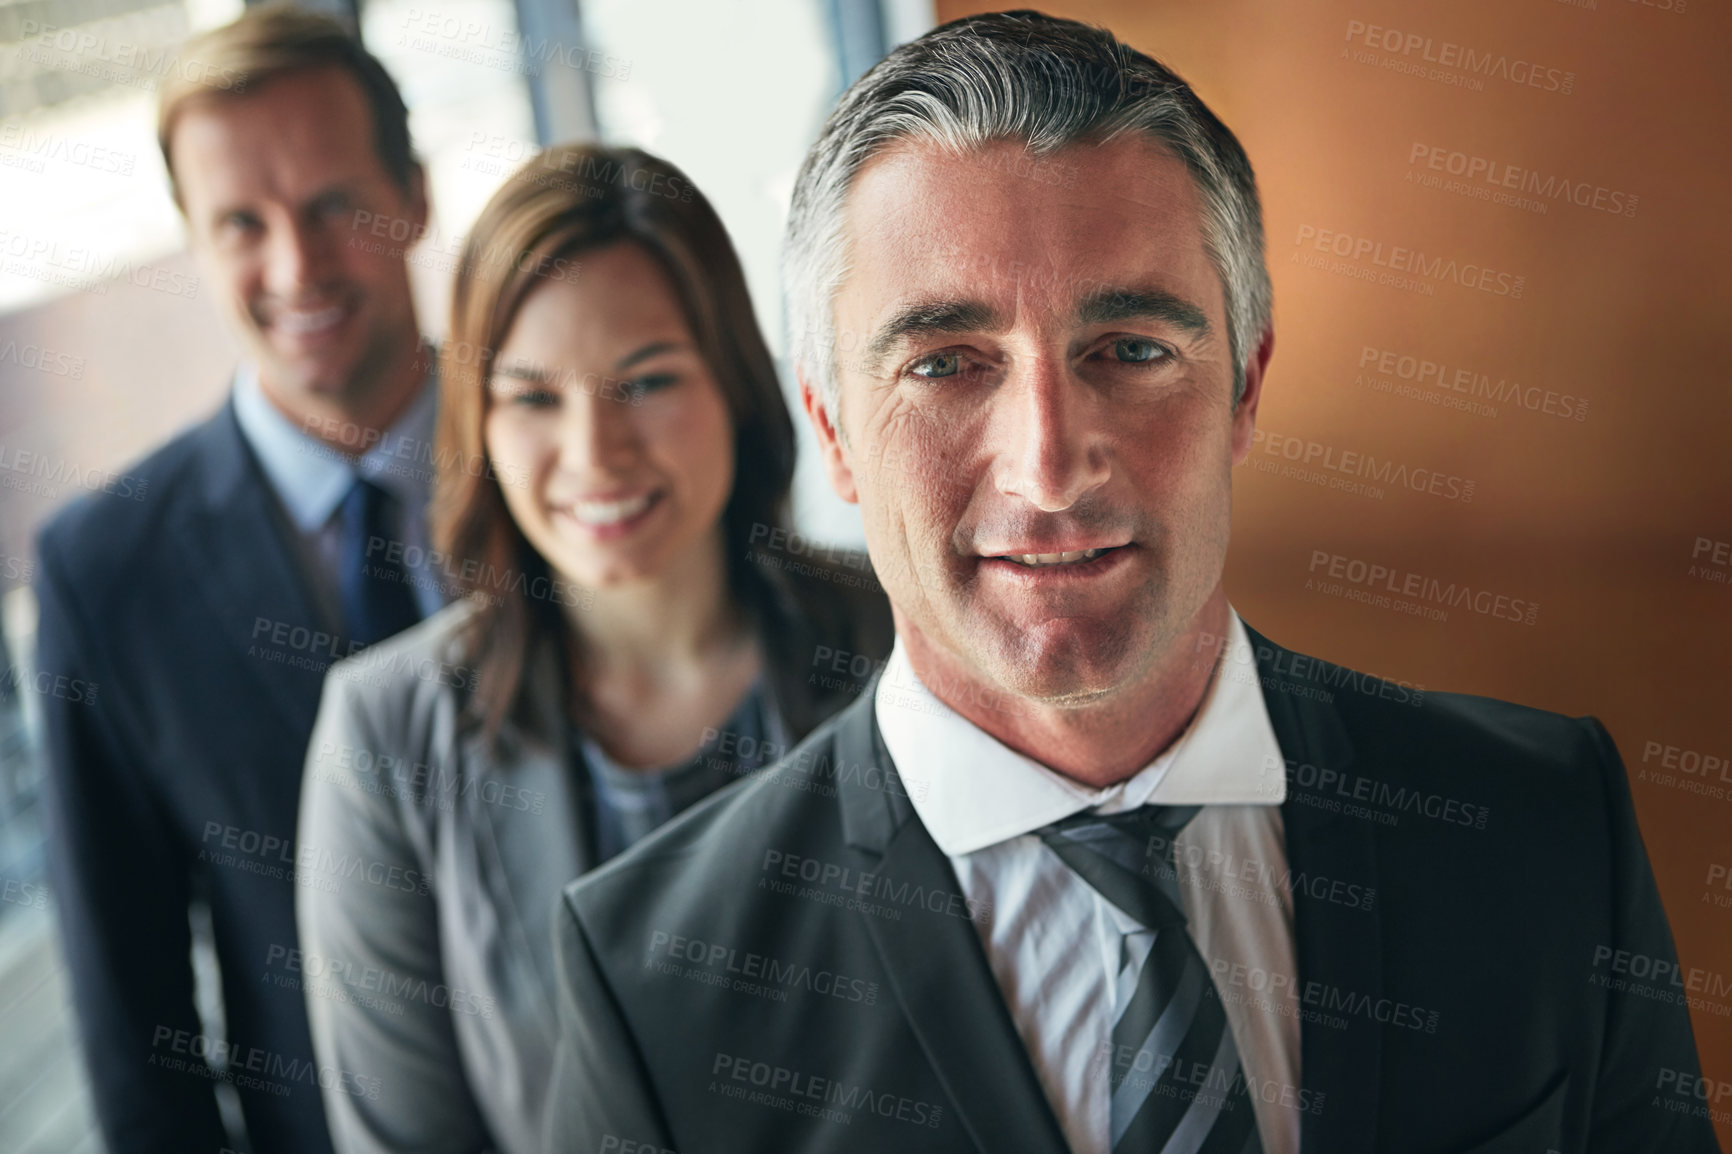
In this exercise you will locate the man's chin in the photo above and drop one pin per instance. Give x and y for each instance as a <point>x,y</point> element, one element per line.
<point>1069,666</point>
<point>321,379</point>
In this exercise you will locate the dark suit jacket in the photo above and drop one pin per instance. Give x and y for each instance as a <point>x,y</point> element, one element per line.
<point>177,602</point>
<point>715,999</point>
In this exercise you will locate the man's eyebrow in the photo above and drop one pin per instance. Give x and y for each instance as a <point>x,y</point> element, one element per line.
<point>924,318</point>
<point>1142,304</point>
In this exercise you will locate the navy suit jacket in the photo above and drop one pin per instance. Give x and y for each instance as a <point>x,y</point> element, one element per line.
<point>714,1000</point>
<point>192,657</point>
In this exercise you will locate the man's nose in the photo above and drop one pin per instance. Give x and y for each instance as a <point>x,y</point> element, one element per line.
<point>301,257</point>
<point>1052,449</point>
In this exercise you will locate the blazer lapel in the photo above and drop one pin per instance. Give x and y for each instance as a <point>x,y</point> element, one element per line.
<point>1339,949</point>
<point>237,558</point>
<point>528,810</point>
<point>935,964</point>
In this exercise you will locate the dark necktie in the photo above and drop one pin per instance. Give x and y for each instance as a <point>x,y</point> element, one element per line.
<point>1176,1083</point>
<point>371,581</point>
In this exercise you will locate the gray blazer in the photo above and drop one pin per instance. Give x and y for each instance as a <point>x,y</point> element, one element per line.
<point>429,869</point>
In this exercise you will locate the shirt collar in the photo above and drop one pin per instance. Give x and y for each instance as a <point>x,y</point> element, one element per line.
<point>311,478</point>
<point>972,791</point>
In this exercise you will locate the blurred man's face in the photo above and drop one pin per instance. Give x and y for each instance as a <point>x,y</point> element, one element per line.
<point>275,184</point>
<point>1036,411</point>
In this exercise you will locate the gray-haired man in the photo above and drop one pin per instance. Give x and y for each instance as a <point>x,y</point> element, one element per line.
<point>1094,866</point>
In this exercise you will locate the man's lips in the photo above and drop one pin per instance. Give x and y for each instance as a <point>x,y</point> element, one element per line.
<point>1045,555</point>
<point>1048,558</point>
<point>310,324</point>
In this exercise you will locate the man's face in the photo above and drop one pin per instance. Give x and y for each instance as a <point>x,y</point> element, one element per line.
<point>273,184</point>
<point>1036,410</point>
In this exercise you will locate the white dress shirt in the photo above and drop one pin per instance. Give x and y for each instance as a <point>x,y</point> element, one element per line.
<point>982,801</point>
<point>310,479</point>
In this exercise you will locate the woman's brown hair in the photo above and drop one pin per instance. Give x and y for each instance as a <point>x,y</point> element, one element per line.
<point>562,203</point>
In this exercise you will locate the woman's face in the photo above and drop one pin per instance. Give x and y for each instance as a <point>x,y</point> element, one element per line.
<point>610,436</point>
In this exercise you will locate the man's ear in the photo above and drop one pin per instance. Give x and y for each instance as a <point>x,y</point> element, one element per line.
<point>830,445</point>
<point>1245,413</point>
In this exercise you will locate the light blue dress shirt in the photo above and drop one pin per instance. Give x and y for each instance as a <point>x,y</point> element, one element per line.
<point>311,478</point>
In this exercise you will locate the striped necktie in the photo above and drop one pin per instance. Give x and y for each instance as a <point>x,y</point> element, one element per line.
<point>1176,1084</point>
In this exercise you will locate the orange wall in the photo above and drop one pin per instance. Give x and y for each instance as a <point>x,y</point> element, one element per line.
<point>1592,520</point>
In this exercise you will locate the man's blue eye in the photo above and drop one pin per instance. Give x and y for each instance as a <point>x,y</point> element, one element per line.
<point>1136,351</point>
<point>938,365</point>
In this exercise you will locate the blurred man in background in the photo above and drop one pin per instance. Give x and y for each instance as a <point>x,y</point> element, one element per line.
<point>265,545</point>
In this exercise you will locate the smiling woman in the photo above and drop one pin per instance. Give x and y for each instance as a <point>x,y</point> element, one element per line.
<point>602,403</point>
<point>623,650</point>
<point>619,364</point>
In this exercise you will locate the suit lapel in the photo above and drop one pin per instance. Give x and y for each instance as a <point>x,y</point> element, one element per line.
<point>238,560</point>
<point>526,805</point>
<point>1339,949</point>
<point>935,965</point>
